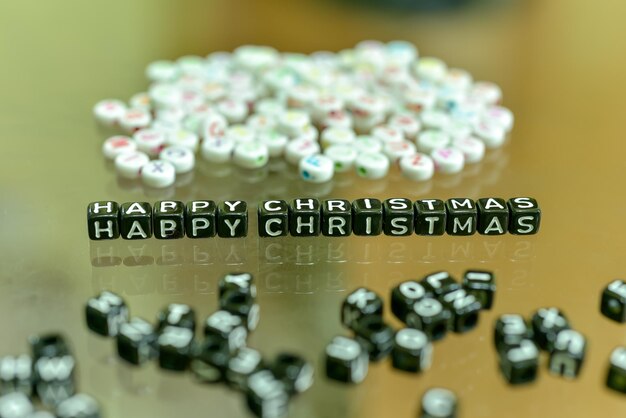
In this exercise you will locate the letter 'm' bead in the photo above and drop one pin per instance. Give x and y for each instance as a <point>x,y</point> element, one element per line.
<point>294,372</point>
<point>200,219</point>
<point>525,216</point>
<point>232,219</point>
<point>613,303</point>
<point>273,217</point>
<point>102,220</point>
<point>462,216</point>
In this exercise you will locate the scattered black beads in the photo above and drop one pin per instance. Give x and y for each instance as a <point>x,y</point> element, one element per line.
<point>613,302</point>
<point>616,376</point>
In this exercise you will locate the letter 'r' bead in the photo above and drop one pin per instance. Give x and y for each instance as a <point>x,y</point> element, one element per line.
<point>102,220</point>
<point>336,218</point>
<point>525,216</point>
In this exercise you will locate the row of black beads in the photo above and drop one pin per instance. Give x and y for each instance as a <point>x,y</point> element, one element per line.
<point>309,217</point>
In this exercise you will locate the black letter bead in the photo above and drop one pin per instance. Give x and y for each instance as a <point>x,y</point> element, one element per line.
<point>568,353</point>
<point>464,309</point>
<point>174,348</point>
<point>48,345</point>
<point>439,283</point>
<point>336,218</point>
<point>367,217</point>
<point>358,304</point>
<point>509,331</point>
<point>613,304</point>
<point>438,403</point>
<point>210,359</point>
<point>412,352</point>
<point>493,216</point>
<point>232,219</point>
<point>305,218</point>
<point>398,217</point>
<point>404,296</point>
<point>136,341</point>
<point>176,315</point>
<point>227,326</point>
<point>346,360</point>
<point>375,336</point>
<point>241,282</point>
<point>294,371</point>
<point>430,217</point>
<point>524,216</point>
<point>241,305</point>
<point>547,323</point>
<point>462,216</point>
<point>168,218</point>
<point>429,316</point>
<point>16,374</point>
<point>105,313</point>
<point>482,285</point>
<point>266,396</point>
<point>54,378</point>
<point>78,406</point>
<point>519,363</point>
<point>200,219</point>
<point>241,366</point>
<point>136,220</point>
<point>273,216</point>
<point>103,220</point>
<point>15,405</point>
<point>616,377</point>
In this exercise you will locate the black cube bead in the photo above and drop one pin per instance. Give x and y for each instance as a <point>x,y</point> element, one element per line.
<point>209,359</point>
<point>232,219</point>
<point>336,218</point>
<point>375,336</point>
<point>430,217</point>
<point>493,216</point>
<point>431,317</point>
<point>305,218</point>
<point>103,220</point>
<point>135,220</point>
<point>201,219</point>
<point>439,403</point>
<point>546,324</point>
<point>509,331</point>
<point>398,217</point>
<point>482,285</point>
<point>54,378</point>
<point>346,360</point>
<point>616,376</point>
<point>524,216</point>
<point>613,302</point>
<point>359,303</point>
<point>404,296</point>
<point>168,219</point>
<point>48,345</point>
<point>136,341</point>
<point>16,374</point>
<point>241,366</point>
<point>266,395</point>
<point>242,305</point>
<point>461,216</point>
<point>174,348</point>
<point>105,313</point>
<point>367,217</point>
<point>464,308</point>
<point>241,282</point>
<point>439,283</point>
<point>77,406</point>
<point>568,353</point>
<point>519,363</point>
<point>227,326</point>
<point>177,315</point>
<point>273,217</point>
<point>412,352</point>
<point>294,372</point>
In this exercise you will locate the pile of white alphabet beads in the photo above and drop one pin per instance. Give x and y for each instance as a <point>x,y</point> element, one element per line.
<point>367,109</point>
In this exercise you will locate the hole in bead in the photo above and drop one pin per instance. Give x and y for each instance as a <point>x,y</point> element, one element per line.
<point>362,171</point>
<point>306,174</point>
<point>470,322</point>
<point>438,331</point>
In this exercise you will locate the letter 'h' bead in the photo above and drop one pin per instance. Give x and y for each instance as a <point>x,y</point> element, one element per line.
<point>102,220</point>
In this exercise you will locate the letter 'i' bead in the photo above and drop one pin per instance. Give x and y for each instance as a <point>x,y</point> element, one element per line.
<point>102,220</point>
<point>232,219</point>
<point>398,217</point>
<point>136,220</point>
<point>305,218</point>
<point>430,217</point>
<point>367,217</point>
<point>462,216</point>
<point>168,219</point>
<point>525,216</point>
<point>273,217</point>
<point>493,216</point>
<point>336,218</point>
<point>200,219</point>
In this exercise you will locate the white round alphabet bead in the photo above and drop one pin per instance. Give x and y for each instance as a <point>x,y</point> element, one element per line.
<point>486,92</point>
<point>417,100</point>
<point>408,124</point>
<point>183,138</point>
<point>337,136</point>
<point>343,157</point>
<point>128,165</point>
<point>500,116</point>
<point>388,134</point>
<point>316,168</point>
<point>367,143</point>
<point>396,150</point>
<point>260,122</point>
<point>239,133</point>
<point>418,167</point>
<point>251,155</point>
<point>492,134</point>
<point>457,79</point>
<point>162,71</point>
<point>435,119</point>
<point>164,95</point>
<point>430,140</point>
<point>472,148</point>
<point>117,145</point>
<point>181,158</point>
<point>274,141</point>
<point>217,149</point>
<point>158,174</point>
<point>448,160</point>
<point>140,101</point>
<point>430,69</point>
<point>150,141</point>
<point>372,165</point>
<point>109,112</point>
<point>293,122</point>
<point>214,126</point>
<point>135,119</point>
<point>234,111</point>
<point>300,148</point>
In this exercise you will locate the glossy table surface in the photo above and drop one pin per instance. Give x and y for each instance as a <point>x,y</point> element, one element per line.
<point>560,64</point>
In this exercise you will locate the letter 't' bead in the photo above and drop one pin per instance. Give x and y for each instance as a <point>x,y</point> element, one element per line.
<point>174,348</point>
<point>616,376</point>
<point>200,219</point>
<point>439,403</point>
<point>519,363</point>
<point>136,220</point>
<point>430,217</point>
<point>336,218</point>
<point>209,359</point>
<point>412,352</point>
<point>547,323</point>
<point>404,296</point>
<point>102,220</point>
<point>482,285</point>
<point>374,335</point>
<point>168,218</point>
<point>568,353</point>
<point>398,217</point>
<point>372,165</point>
<point>346,360</point>
<point>232,219</point>
<point>429,316</point>
<point>462,216</point>
<point>105,313</point>
<point>613,303</point>
<point>359,303</point>
<point>273,217</point>
<point>305,218</point>
<point>294,372</point>
<point>136,341</point>
<point>493,216</point>
<point>524,216</point>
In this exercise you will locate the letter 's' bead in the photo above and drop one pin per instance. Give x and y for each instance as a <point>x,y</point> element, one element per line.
<point>398,217</point>
<point>209,359</point>
<point>524,216</point>
<point>232,219</point>
<point>135,220</point>
<point>105,313</point>
<point>568,353</point>
<point>461,216</point>
<point>404,296</point>
<point>136,341</point>
<point>439,403</point>
<point>616,376</point>
<point>429,316</point>
<point>273,217</point>
<point>200,219</point>
<point>305,218</point>
<point>464,309</point>
<point>346,360</point>
<point>367,217</point>
<point>493,216</point>
<point>294,372</point>
<point>482,285</point>
<point>430,217</point>
<point>336,218</point>
<point>547,323</point>
<point>412,352</point>
<point>519,363</point>
<point>359,303</point>
<point>613,303</point>
<point>102,220</point>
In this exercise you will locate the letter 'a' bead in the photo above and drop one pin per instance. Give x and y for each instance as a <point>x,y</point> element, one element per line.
<point>398,217</point>
<point>346,360</point>
<point>200,219</point>
<point>616,376</point>
<point>462,216</point>
<point>305,218</point>
<point>336,218</point>
<point>232,219</point>
<point>358,304</point>
<point>525,216</point>
<point>273,218</point>
<point>102,220</point>
<point>568,353</point>
<point>135,220</point>
<point>519,363</point>
<point>482,285</point>
<point>613,303</point>
<point>367,217</point>
<point>493,216</point>
<point>168,219</point>
<point>439,403</point>
<point>430,217</point>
